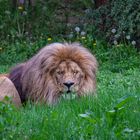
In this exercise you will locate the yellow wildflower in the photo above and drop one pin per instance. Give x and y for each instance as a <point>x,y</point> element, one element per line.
<point>0,48</point>
<point>49,39</point>
<point>20,8</point>
<point>117,45</point>
<point>94,44</point>
<point>83,37</point>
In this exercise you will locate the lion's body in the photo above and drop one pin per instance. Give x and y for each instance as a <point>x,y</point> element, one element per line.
<point>45,76</point>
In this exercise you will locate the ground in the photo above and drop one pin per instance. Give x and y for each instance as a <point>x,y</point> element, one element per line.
<point>113,114</point>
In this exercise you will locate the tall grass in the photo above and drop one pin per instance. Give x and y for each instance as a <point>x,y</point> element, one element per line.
<point>114,114</point>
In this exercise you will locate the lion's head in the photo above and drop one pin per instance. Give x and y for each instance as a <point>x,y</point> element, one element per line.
<point>56,69</point>
<point>68,76</point>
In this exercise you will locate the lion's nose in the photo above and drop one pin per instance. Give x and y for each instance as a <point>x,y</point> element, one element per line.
<point>68,84</point>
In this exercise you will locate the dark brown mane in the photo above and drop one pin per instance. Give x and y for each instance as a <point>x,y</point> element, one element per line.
<point>15,77</point>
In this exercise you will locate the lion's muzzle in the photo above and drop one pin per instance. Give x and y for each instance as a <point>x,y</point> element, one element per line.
<point>68,84</point>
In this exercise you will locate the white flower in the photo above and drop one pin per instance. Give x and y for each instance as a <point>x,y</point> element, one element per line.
<point>128,37</point>
<point>1,27</point>
<point>24,13</point>
<point>87,11</point>
<point>77,29</point>
<point>83,33</point>
<point>113,30</point>
<point>133,42</point>
<point>115,42</point>
<point>7,12</point>
<point>26,33</point>
<point>68,24</point>
<point>70,35</point>
<point>117,36</point>
<point>44,8</point>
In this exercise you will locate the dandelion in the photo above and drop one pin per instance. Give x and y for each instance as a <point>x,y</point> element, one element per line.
<point>94,43</point>
<point>83,33</point>
<point>87,11</point>
<point>123,32</point>
<point>128,37</point>
<point>26,33</point>
<point>117,36</point>
<point>44,8</point>
<point>24,13</point>
<point>68,24</point>
<point>133,42</point>
<point>7,12</point>
<point>49,39</point>
<point>70,35</point>
<point>20,8</point>
<point>118,45</point>
<point>77,29</point>
<point>1,27</point>
<point>83,37</point>
<point>113,31</point>
<point>0,48</point>
<point>115,42</point>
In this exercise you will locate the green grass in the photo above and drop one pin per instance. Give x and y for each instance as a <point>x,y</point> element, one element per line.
<point>112,115</point>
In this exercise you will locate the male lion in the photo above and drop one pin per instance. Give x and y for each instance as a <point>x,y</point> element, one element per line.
<point>54,70</point>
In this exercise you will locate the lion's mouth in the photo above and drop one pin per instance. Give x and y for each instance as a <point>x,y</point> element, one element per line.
<point>68,91</point>
<point>69,95</point>
<point>71,90</point>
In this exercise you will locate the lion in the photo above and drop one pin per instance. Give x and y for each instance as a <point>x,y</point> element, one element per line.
<point>56,69</point>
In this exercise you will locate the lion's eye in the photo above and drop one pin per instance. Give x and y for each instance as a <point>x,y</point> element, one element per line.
<point>60,72</point>
<point>75,72</point>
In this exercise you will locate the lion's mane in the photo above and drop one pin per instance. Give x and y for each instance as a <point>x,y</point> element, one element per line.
<point>34,78</point>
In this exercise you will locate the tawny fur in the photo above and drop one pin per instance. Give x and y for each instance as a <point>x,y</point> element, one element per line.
<point>34,78</point>
<point>4,75</point>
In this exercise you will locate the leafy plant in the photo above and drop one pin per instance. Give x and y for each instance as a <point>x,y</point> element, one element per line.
<point>7,125</point>
<point>117,21</point>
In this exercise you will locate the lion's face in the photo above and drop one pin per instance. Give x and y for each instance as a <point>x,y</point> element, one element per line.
<point>68,76</point>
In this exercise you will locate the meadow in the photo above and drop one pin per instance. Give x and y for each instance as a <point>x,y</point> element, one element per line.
<point>112,115</point>
<point>110,29</point>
